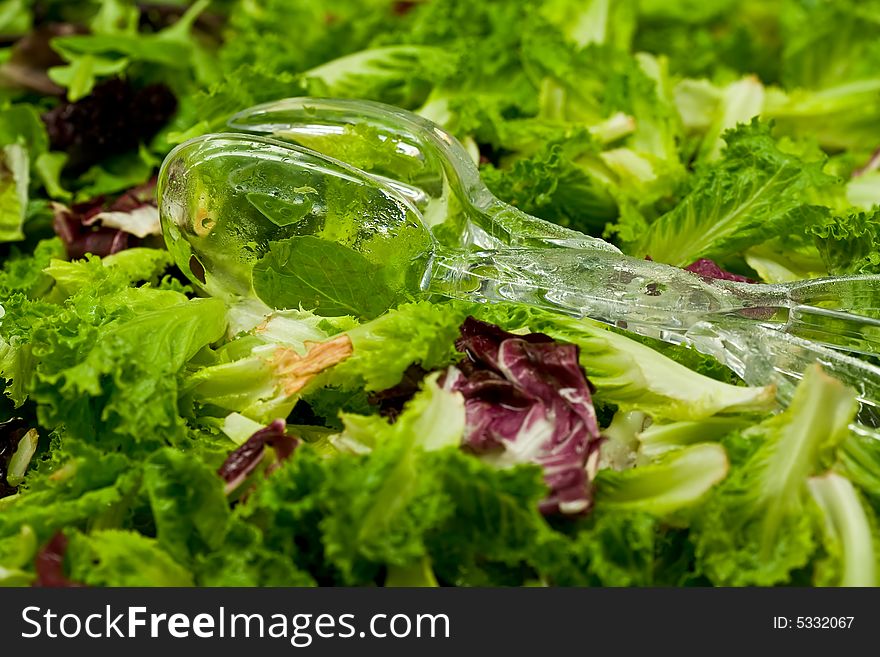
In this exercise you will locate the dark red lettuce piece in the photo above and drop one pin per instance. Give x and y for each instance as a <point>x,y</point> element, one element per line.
<point>710,269</point>
<point>245,459</point>
<point>79,227</point>
<point>80,238</point>
<point>527,400</point>
<point>136,197</point>
<point>392,400</point>
<point>49,564</point>
<point>113,119</point>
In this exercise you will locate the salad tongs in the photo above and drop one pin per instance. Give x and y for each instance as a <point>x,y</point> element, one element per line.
<point>428,220</point>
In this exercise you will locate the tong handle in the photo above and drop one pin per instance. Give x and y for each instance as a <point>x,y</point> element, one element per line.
<point>758,351</point>
<point>621,290</point>
<point>762,356</point>
<point>767,334</point>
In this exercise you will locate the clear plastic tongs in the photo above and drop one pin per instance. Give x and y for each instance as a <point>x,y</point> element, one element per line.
<point>266,181</point>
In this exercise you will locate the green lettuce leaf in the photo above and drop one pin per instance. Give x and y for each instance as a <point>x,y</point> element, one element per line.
<point>761,524</point>
<point>244,560</point>
<point>610,549</point>
<point>850,530</point>
<point>753,193</point>
<point>188,505</point>
<point>677,480</point>
<point>76,486</point>
<point>115,45</point>
<point>329,279</point>
<point>122,558</point>
<point>109,354</point>
<point>493,518</point>
<point>423,333</point>
<point>850,243</point>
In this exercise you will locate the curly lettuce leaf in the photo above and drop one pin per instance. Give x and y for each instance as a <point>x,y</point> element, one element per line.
<point>187,502</point>
<point>550,184</point>
<point>754,192</point>
<point>848,244</point>
<point>244,560</point>
<point>761,524</point>
<point>721,39</point>
<point>113,557</point>
<point>104,360</point>
<point>73,486</point>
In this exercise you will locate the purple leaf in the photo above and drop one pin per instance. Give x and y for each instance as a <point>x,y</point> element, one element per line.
<point>79,237</point>
<point>244,460</point>
<point>113,119</point>
<point>527,400</point>
<point>101,227</point>
<point>709,269</point>
<point>392,400</point>
<point>49,564</point>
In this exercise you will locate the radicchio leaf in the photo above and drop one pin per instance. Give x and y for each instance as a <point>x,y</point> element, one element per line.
<point>103,228</point>
<point>244,460</point>
<point>392,400</point>
<point>709,269</point>
<point>49,564</point>
<point>80,238</point>
<point>136,212</point>
<point>527,400</point>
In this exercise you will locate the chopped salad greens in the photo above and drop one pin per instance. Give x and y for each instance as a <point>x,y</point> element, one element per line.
<point>152,436</point>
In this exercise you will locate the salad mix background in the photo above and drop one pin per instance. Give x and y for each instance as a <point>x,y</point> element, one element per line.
<point>151,436</point>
